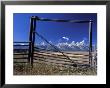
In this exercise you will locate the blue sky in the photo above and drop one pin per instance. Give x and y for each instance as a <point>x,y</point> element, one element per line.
<point>55,31</point>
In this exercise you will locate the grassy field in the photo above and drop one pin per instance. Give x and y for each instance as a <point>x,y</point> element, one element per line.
<point>49,69</point>
<point>44,64</point>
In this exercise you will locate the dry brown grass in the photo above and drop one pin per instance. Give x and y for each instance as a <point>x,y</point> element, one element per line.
<point>42,68</point>
<point>49,69</point>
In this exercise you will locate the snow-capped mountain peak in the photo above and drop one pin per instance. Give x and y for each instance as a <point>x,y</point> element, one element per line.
<point>66,46</point>
<point>73,46</point>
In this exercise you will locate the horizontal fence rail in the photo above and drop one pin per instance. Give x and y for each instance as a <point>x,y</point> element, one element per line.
<point>21,52</point>
<point>20,42</point>
<point>54,58</point>
<point>61,20</point>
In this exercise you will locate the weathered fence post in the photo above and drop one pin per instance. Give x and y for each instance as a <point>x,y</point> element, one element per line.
<point>90,43</point>
<point>33,40</point>
<point>30,40</point>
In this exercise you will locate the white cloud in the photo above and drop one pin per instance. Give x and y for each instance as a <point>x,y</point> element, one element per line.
<point>65,38</point>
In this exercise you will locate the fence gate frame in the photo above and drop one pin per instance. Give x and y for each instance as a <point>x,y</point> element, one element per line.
<point>33,20</point>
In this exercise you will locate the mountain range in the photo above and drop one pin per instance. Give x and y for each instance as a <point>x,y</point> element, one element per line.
<point>63,46</point>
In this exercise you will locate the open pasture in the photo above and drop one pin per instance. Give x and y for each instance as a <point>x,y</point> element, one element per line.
<point>53,63</point>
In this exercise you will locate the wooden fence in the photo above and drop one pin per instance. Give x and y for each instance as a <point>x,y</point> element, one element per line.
<point>77,59</point>
<point>31,56</point>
